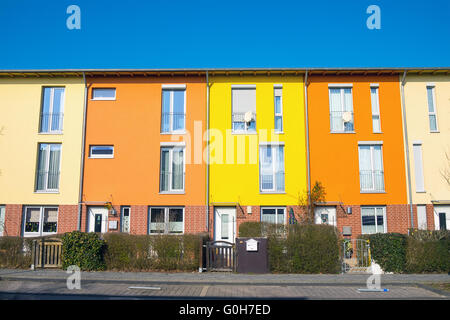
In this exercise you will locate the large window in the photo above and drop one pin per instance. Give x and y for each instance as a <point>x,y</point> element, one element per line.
<point>52,110</point>
<point>2,220</point>
<point>173,116</point>
<point>40,221</point>
<point>273,215</point>
<point>244,109</point>
<point>371,175</point>
<point>166,220</point>
<point>341,109</point>
<point>172,169</point>
<point>271,168</point>
<point>418,167</point>
<point>376,125</point>
<point>278,100</point>
<point>373,220</point>
<point>432,116</point>
<point>48,167</point>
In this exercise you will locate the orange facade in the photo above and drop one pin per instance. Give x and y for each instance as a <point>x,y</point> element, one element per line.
<point>132,124</point>
<point>334,157</point>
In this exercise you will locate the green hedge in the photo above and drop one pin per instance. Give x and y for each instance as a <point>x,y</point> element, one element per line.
<point>15,252</point>
<point>388,250</point>
<point>298,248</point>
<point>84,250</point>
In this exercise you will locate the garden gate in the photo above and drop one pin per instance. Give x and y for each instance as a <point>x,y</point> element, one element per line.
<point>356,256</point>
<point>220,256</point>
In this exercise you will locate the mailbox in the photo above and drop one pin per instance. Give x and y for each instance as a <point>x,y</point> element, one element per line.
<point>252,255</point>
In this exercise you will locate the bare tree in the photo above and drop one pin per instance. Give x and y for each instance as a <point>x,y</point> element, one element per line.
<point>309,200</point>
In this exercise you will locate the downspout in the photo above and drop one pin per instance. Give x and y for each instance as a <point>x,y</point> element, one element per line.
<point>307,137</point>
<point>405,128</point>
<point>83,142</point>
<point>207,151</point>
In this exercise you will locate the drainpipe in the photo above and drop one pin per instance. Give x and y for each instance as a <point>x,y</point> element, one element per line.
<point>83,142</point>
<point>307,137</point>
<point>405,128</point>
<point>207,151</point>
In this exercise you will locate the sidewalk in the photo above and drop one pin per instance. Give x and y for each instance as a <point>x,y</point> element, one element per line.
<point>206,278</point>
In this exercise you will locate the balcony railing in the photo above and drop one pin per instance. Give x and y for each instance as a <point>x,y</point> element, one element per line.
<point>170,181</point>
<point>47,180</point>
<point>239,123</point>
<point>337,121</point>
<point>268,184</point>
<point>51,122</point>
<point>371,180</point>
<point>171,121</point>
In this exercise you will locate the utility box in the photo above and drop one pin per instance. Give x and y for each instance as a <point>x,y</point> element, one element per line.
<point>252,255</point>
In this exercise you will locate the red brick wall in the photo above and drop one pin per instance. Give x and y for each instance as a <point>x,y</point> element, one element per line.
<point>13,220</point>
<point>67,218</point>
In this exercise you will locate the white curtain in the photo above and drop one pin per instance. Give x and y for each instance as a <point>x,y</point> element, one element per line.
<point>53,170</point>
<point>266,167</point>
<point>375,110</point>
<point>42,172</point>
<point>177,169</point>
<point>269,215</point>
<point>58,97</point>
<point>336,109</point>
<point>378,168</point>
<point>365,168</point>
<point>165,116</point>
<point>164,181</point>
<point>279,168</point>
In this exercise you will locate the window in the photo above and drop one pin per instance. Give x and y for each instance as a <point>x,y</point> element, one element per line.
<point>371,173</point>
<point>244,109</point>
<point>373,220</point>
<point>418,167</point>
<point>341,110</point>
<point>52,110</point>
<point>278,100</point>
<point>271,168</point>
<point>172,169</point>
<point>101,151</point>
<point>40,221</point>
<point>166,220</point>
<point>422,217</point>
<point>125,219</point>
<point>432,116</point>
<point>48,167</point>
<point>103,93</point>
<point>2,220</point>
<point>173,116</point>
<point>273,215</point>
<point>376,125</point>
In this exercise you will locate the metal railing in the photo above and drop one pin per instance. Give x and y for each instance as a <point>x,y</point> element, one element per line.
<point>51,122</point>
<point>270,182</point>
<point>337,122</point>
<point>47,180</point>
<point>173,121</point>
<point>371,180</point>
<point>170,181</point>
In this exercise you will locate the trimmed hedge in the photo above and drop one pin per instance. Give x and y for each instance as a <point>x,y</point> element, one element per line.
<point>298,248</point>
<point>388,250</point>
<point>84,250</point>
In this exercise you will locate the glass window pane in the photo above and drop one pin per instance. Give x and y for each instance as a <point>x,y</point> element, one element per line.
<point>102,150</point>
<point>104,93</point>
<point>56,118</point>
<point>42,173</point>
<point>164,175</point>
<point>175,220</point>
<point>177,169</point>
<point>269,215</point>
<point>2,219</point>
<point>53,171</point>
<point>278,123</point>
<point>157,220</point>
<point>433,126</point>
<point>32,219</point>
<point>165,115</point>
<point>50,220</point>
<point>280,216</point>
<point>277,105</point>
<point>266,168</point>
<point>178,110</point>
<point>224,219</point>
<point>376,123</point>
<point>430,99</point>
<point>279,168</point>
<point>45,114</point>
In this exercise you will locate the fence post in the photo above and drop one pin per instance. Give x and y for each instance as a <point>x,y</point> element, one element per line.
<point>43,253</point>
<point>33,255</point>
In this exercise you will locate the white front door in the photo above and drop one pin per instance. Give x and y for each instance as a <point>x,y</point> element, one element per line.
<point>225,224</point>
<point>325,214</point>
<point>97,219</point>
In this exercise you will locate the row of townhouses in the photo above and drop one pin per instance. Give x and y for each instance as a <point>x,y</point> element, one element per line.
<point>188,151</point>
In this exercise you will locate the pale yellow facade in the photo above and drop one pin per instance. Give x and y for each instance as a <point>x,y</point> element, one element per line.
<point>20,109</point>
<point>434,143</point>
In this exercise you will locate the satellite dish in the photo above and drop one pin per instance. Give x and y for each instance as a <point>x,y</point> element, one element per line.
<point>248,116</point>
<point>347,116</point>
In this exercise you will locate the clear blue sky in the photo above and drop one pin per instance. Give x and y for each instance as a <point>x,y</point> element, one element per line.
<point>223,34</point>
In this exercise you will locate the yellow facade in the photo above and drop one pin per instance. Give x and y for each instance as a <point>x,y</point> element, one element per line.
<point>234,157</point>
<point>435,145</point>
<point>21,100</point>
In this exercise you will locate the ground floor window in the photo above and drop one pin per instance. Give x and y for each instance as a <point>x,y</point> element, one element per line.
<point>273,215</point>
<point>40,221</point>
<point>2,220</point>
<point>373,220</point>
<point>166,220</point>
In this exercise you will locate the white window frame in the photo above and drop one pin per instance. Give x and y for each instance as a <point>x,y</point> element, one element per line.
<point>106,98</point>
<point>47,166</point>
<point>377,94</point>
<point>434,112</point>
<point>376,225</point>
<point>172,89</point>
<point>2,219</point>
<point>371,145</point>
<point>171,149</point>
<point>122,209</point>
<point>274,147</point>
<point>41,221</point>
<point>61,118</point>
<point>278,88</point>
<point>101,156</point>
<point>247,129</point>
<point>418,166</point>
<point>166,219</point>
<point>276,214</point>
<point>341,87</point>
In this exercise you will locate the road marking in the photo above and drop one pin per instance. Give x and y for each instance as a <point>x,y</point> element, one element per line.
<point>204,290</point>
<point>145,288</point>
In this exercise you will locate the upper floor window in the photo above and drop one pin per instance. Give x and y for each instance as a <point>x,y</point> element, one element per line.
<point>432,116</point>
<point>172,169</point>
<point>271,168</point>
<point>376,125</point>
<point>101,151</point>
<point>278,100</point>
<point>244,108</point>
<point>173,115</point>
<point>52,110</point>
<point>103,93</point>
<point>371,173</point>
<point>48,167</point>
<point>341,109</point>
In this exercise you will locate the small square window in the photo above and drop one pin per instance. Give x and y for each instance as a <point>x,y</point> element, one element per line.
<point>101,151</point>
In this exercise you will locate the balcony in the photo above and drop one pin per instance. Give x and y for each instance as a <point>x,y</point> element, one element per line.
<point>51,122</point>
<point>371,180</point>
<point>173,122</point>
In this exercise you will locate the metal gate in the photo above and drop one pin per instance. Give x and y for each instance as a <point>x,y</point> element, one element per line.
<point>46,253</point>
<point>220,256</point>
<point>356,255</point>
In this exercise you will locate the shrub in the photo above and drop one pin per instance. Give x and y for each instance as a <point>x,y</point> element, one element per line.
<point>388,250</point>
<point>255,229</point>
<point>15,252</point>
<point>84,250</point>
